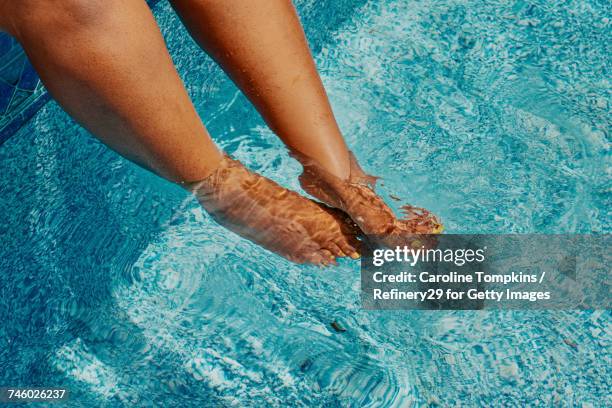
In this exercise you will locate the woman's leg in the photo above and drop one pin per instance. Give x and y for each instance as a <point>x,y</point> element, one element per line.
<point>261,45</point>
<point>106,63</point>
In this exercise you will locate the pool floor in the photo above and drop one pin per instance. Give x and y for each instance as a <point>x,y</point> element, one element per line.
<point>494,115</point>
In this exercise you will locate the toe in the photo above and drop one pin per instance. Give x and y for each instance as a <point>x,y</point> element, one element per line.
<point>336,250</point>
<point>315,259</point>
<point>328,257</point>
<point>298,259</point>
<point>349,247</point>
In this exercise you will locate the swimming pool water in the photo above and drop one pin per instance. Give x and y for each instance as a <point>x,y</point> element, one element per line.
<point>494,115</point>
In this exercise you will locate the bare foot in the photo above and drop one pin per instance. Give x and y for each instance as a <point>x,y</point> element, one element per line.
<point>278,219</point>
<point>356,197</point>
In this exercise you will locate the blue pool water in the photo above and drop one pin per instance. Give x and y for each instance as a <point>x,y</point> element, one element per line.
<point>493,114</point>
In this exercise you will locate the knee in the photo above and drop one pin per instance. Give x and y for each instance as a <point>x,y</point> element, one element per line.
<point>38,15</point>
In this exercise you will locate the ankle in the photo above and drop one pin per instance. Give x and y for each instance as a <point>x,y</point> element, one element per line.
<point>328,166</point>
<point>199,177</point>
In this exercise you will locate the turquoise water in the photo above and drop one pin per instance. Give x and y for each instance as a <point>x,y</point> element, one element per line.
<point>494,115</point>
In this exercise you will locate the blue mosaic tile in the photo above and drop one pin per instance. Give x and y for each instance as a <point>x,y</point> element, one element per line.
<point>21,92</point>
<point>29,78</point>
<point>6,91</point>
<point>5,43</point>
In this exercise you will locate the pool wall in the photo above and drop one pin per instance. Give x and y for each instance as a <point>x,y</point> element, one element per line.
<point>21,92</point>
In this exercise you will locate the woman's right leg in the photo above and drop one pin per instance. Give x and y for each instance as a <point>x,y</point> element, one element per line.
<point>106,63</point>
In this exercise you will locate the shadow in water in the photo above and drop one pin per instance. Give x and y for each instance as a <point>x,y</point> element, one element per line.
<point>70,231</point>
